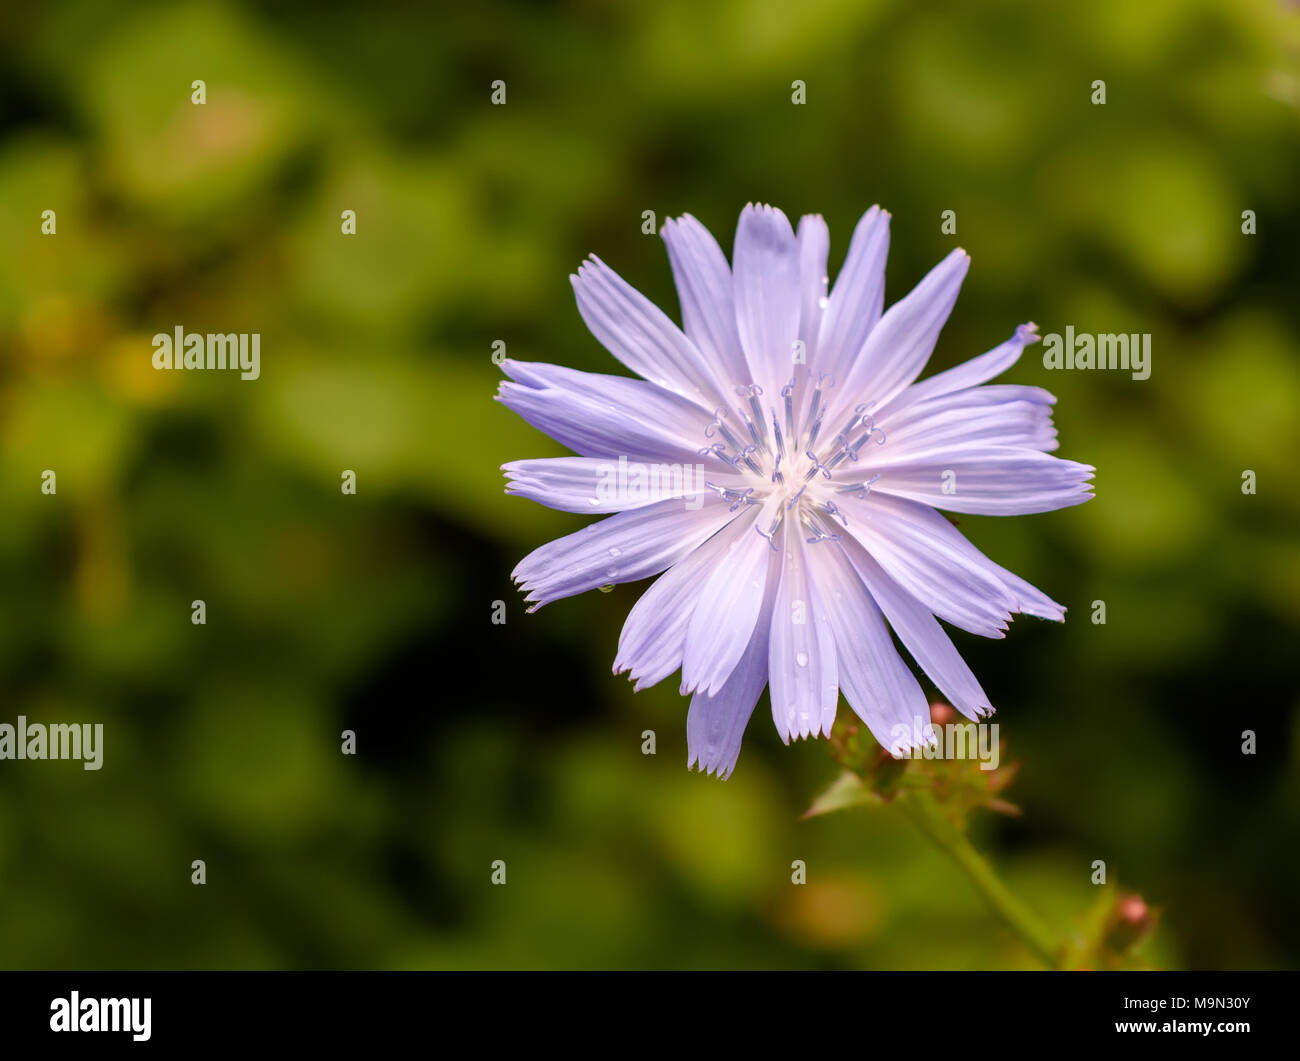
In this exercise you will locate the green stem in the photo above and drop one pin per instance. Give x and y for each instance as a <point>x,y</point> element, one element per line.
<point>929,817</point>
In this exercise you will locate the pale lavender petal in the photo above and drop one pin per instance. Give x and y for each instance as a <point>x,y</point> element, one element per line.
<point>641,335</point>
<point>703,280</point>
<point>765,281</point>
<point>728,609</point>
<point>715,725</point>
<point>995,415</point>
<point>1029,599</point>
<point>931,559</point>
<point>814,247</point>
<point>623,548</point>
<point>654,636</point>
<point>876,682</point>
<point>968,567</point>
<point>994,394</point>
<point>897,349</point>
<point>921,635</point>
<point>802,680</point>
<point>989,480</point>
<point>605,416</point>
<point>854,304</point>
<point>598,484</point>
<point>969,373</point>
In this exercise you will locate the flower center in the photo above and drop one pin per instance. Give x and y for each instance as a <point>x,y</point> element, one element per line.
<point>791,463</point>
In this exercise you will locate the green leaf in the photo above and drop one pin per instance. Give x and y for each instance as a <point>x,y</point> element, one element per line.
<point>847,790</point>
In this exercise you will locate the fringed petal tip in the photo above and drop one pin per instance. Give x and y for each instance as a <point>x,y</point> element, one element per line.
<point>975,712</point>
<point>719,771</point>
<point>636,676</point>
<point>1027,334</point>
<point>906,747</point>
<point>587,265</point>
<point>1051,615</point>
<point>811,731</point>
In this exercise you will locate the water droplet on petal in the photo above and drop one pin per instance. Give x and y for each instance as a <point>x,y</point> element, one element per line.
<point>823,302</point>
<point>607,588</point>
<point>612,572</point>
<point>802,659</point>
<point>615,552</point>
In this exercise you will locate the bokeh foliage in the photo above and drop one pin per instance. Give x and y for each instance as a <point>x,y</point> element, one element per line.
<point>371,612</point>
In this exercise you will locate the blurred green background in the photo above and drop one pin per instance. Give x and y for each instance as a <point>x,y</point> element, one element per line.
<point>479,742</point>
